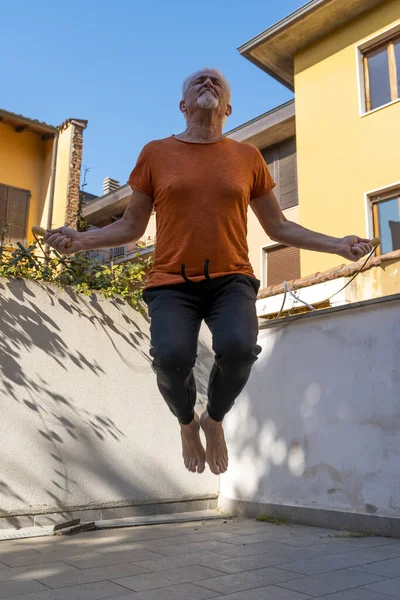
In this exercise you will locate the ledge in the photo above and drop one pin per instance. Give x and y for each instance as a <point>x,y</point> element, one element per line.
<point>266,324</point>
<point>335,273</point>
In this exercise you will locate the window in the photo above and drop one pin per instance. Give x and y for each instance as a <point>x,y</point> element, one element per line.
<point>118,251</point>
<point>382,74</point>
<point>282,263</point>
<point>14,206</point>
<point>386,219</point>
<point>281,161</point>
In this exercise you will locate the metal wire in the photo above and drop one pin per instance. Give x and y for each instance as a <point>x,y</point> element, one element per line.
<point>287,289</point>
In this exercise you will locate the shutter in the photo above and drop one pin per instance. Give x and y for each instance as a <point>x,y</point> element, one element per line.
<point>18,215</point>
<point>3,205</point>
<point>269,155</point>
<point>288,174</point>
<point>283,264</point>
<point>395,233</point>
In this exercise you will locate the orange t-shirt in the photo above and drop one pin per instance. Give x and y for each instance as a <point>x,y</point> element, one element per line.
<point>201,194</point>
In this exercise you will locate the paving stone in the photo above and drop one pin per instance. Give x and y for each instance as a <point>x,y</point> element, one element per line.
<point>8,552</point>
<point>183,591</point>
<point>162,563</point>
<point>35,572</point>
<point>158,545</point>
<point>269,592</point>
<point>303,540</point>
<point>78,577</point>
<point>247,563</point>
<point>207,536</point>
<point>365,542</point>
<point>159,579</point>
<point>325,564</point>
<point>228,584</point>
<point>49,557</point>
<point>386,568</point>
<point>256,538</point>
<point>91,591</point>
<point>329,583</point>
<point>141,557</point>
<point>15,588</point>
<point>390,587</point>
<point>379,553</point>
<point>176,548</point>
<point>355,594</point>
<point>245,560</point>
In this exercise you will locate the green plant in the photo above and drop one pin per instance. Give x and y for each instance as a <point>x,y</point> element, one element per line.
<point>273,520</point>
<point>84,274</point>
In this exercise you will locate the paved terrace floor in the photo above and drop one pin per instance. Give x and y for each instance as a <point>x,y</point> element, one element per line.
<point>239,559</point>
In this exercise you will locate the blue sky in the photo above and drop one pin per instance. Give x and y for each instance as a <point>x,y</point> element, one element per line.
<point>120,65</point>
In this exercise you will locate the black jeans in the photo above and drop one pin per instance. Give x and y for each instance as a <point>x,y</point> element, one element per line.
<point>227,305</point>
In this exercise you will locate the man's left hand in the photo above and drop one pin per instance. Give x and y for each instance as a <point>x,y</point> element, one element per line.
<point>353,248</point>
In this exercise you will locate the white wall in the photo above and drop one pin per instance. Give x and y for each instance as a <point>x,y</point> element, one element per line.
<point>82,422</point>
<point>318,425</point>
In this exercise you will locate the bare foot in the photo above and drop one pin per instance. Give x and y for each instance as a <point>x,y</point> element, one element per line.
<point>192,448</point>
<point>216,450</point>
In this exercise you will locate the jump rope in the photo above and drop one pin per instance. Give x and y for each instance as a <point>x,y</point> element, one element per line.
<point>40,232</point>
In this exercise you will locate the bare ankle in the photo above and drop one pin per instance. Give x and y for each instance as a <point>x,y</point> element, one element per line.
<point>193,423</point>
<point>209,421</point>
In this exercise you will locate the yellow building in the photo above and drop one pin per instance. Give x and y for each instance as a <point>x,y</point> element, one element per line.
<point>342,60</point>
<point>40,169</point>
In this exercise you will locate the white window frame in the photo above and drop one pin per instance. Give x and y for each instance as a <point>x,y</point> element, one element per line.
<point>361,49</point>
<point>369,200</point>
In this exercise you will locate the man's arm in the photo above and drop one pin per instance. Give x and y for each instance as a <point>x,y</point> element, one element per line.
<point>128,229</point>
<point>279,229</point>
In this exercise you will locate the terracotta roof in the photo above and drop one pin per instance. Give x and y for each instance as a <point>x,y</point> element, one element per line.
<point>336,273</point>
<point>34,125</point>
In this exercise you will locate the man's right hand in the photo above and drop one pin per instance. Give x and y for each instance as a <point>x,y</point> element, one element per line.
<point>61,237</point>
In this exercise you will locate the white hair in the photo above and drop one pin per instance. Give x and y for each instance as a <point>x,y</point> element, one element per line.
<point>193,76</point>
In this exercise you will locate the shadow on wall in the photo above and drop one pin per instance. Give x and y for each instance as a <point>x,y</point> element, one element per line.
<point>318,424</point>
<point>24,328</point>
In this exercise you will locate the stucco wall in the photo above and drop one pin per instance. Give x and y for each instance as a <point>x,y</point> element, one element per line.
<point>63,166</point>
<point>342,155</point>
<point>318,424</point>
<point>23,165</point>
<point>82,421</point>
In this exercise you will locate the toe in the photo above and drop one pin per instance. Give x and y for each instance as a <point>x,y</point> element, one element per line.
<point>214,468</point>
<point>200,467</point>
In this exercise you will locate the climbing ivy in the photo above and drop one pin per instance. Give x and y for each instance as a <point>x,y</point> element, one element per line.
<point>81,272</point>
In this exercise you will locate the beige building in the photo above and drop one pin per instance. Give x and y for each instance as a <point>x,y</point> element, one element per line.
<point>110,207</point>
<point>273,133</point>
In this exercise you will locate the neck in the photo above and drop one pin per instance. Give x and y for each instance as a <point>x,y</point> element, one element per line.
<point>203,130</point>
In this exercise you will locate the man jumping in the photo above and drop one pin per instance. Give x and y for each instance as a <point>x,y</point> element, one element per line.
<point>200,185</point>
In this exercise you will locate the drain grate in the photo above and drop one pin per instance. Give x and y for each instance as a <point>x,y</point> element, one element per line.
<point>26,532</point>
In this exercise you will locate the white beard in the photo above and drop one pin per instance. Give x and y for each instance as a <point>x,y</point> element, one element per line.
<point>207,100</point>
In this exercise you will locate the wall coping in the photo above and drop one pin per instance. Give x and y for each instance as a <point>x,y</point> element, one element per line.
<point>335,273</point>
<point>267,324</point>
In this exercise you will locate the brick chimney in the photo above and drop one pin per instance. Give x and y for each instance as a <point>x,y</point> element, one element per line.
<point>72,209</point>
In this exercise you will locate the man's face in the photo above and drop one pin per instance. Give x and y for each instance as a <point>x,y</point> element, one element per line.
<point>206,91</point>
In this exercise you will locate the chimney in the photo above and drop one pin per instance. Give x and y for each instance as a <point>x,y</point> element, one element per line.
<point>110,185</point>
